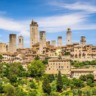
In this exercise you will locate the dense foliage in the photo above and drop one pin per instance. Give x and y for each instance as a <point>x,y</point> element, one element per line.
<point>36,68</point>
<point>17,81</point>
<point>78,64</point>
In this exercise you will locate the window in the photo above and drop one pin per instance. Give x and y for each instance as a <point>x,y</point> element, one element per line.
<point>62,67</point>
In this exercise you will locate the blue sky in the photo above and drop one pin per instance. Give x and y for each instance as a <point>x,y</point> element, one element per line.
<point>53,16</point>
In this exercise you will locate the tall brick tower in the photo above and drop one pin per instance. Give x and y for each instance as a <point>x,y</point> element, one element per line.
<point>12,43</point>
<point>20,42</point>
<point>83,40</point>
<point>69,37</point>
<point>42,41</point>
<point>33,33</point>
<point>60,41</point>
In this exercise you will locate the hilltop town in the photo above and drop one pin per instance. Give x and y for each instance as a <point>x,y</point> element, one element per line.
<point>60,56</point>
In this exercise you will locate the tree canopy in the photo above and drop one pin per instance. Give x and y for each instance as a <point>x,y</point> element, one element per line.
<point>36,68</point>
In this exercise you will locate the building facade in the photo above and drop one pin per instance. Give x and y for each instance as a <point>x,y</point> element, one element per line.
<point>3,47</point>
<point>55,65</point>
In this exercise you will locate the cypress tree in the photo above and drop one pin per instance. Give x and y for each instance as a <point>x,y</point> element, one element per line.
<point>46,86</point>
<point>59,82</point>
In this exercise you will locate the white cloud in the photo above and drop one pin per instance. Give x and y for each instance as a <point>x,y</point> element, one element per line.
<point>61,20</point>
<point>61,23</point>
<point>79,6</point>
<point>14,26</point>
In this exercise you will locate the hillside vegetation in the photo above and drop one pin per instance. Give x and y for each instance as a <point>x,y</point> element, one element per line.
<point>16,81</point>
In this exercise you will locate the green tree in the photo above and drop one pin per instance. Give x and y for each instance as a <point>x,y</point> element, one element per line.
<point>54,94</point>
<point>87,93</point>
<point>9,90</point>
<point>32,93</point>
<point>79,93</point>
<point>46,86</point>
<point>66,53</point>
<point>94,91</point>
<point>89,82</point>
<point>37,58</point>
<point>20,92</point>
<point>51,77</point>
<point>45,61</point>
<point>90,76</point>
<point>33,85</point>
<point>1,88</point>
<point>83,77</point>
<point>13,70</point>
<point>59,82</point>
<point>77,83</point>
<point>1,57</point>
<point>36,68</point>
<point>66,81</point>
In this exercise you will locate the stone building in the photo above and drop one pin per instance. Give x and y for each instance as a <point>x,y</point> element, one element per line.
<point>3,47</point>
<point>33,33</point>
<point>42,41</point>
<point>69,37</point>
<point>20,42</point>
<point>76,73</point>
<point>55,65</point>
<point>12,43</point>
<point>53,43</point>
<point>60,41</point>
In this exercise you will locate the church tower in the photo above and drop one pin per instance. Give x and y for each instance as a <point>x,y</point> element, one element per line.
<point>33,33</point>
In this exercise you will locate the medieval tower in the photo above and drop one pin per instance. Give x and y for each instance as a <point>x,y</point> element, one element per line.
<point>33,33</point>
<point>20,42</point>
<point>69,37</point>
<point>12,43</point>
<point>59,41</point>
<point>42,41</point>
<point>83,40</point>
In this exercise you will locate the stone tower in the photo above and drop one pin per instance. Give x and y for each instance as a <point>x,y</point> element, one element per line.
<point>42,41</point>
<point>60,41</point>
<point>83,40</point>
<point>69,37</point>
<point>12,43</point>
<point>33,33</point>
<point>53,43</point>
<point>20,42</point>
